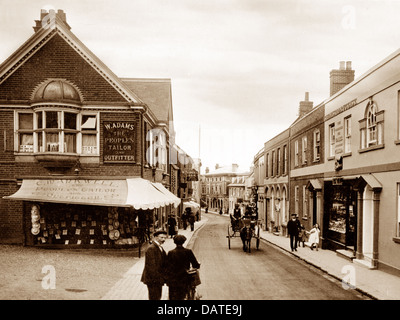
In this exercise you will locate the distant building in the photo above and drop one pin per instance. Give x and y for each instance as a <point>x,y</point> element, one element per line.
<point>215,186</point>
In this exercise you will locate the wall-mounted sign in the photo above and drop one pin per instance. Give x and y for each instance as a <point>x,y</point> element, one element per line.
<point>118,141</point>
<point>337,181</point>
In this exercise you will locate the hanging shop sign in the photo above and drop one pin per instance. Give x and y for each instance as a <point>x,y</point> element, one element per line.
<point>118,141</point>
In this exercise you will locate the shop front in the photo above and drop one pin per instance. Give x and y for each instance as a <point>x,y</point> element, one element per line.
<point>90,212</point>
<point>340,214</point>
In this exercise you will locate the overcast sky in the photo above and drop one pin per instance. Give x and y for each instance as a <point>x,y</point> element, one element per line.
<point>238,67</point>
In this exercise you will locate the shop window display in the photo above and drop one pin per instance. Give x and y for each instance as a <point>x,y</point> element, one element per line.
<point>340,214</point>
<point>80,225</point>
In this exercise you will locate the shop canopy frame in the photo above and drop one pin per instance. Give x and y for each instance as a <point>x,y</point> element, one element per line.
<point>190,204</point>
<point>138,193</point>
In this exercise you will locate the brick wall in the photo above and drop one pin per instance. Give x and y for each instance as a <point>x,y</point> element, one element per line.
<point>57,59</point>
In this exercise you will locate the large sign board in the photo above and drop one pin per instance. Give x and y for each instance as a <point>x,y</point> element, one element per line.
<point>118,141</point>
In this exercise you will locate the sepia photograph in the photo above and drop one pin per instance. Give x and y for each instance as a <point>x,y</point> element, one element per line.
<point>228,152</point>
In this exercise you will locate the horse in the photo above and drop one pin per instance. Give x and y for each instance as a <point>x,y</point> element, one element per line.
<point>246,234</point>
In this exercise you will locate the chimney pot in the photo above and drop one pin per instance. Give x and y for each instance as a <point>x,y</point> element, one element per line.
<point>341,66</point>
<point>306,96</point>
<point>348,65</point>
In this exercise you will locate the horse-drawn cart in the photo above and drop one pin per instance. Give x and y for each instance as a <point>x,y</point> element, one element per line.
<point>246,228</point>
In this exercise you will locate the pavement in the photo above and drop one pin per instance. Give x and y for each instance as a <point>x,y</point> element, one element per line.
<point>374,283</point>
<point>129,287</point>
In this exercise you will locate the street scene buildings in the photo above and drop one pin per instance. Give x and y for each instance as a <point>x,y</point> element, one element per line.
<point>89,158</point>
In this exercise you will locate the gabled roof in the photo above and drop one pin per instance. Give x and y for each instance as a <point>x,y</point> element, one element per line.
<point>56,25</point>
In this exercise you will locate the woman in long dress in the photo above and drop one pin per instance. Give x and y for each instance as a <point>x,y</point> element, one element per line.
<point>314,237</point>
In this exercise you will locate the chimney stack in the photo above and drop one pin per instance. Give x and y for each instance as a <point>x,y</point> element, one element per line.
<point>235,167</point>
<point>341,78</point>
<point>207,170</point>
<point>305,106</point>
<point>47,19</point>
<point>216,166</point>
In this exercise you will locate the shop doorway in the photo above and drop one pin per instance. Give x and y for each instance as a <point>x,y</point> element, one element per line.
<point>340,214</point>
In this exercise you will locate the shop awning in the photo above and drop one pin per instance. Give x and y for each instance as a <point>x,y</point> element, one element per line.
<point>314,184</point>
<point>136,192</point>
<point>174,199</point>
<point>190,204</point>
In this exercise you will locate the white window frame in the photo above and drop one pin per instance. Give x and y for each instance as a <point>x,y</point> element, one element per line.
<point>60,130</point>
<point>332,140</point>
<point>317,144</point>
<point>304,150</point>
<point>296,153</point>
<point>347,134</point>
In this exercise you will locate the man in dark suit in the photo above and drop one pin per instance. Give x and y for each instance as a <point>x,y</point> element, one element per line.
<point>154,266</point>
<point>293,227</point>
<point>179,261</point>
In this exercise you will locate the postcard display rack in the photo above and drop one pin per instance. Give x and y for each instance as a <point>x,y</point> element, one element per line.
<point>74,225</point>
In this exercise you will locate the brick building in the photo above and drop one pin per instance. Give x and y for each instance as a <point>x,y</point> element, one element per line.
<point>85,156</point>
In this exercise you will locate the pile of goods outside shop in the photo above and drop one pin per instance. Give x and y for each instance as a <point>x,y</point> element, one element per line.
<point>64,224</point>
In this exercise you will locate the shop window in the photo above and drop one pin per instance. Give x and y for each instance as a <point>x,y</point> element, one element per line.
<point>347,135</point>
<point>316,144</point>
<point>371,127</point>
<point>57,131</point>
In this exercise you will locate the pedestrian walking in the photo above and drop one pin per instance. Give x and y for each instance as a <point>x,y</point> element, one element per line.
<point>191,220</point>
<point>293,230</point>
<point>179,261</point>
<point>154,266</point>
<point>185,216</point>
<point>314,237</point>
<point>302,236</point>
<point>171,225</point>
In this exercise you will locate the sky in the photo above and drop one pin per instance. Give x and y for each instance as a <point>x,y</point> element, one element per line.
<point>238,68</point>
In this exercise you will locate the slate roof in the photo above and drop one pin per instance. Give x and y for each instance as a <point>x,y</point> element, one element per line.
<point>156,93</point>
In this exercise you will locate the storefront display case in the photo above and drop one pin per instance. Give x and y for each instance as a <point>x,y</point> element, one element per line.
<point>54,224</point>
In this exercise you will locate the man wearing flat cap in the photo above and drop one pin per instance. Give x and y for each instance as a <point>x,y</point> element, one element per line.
<point>154,266</point>
<point>179,260</point>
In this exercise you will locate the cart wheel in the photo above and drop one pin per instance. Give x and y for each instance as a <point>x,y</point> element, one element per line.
<point>229,242</point>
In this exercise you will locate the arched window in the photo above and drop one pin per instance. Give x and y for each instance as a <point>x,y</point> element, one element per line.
<point>371,124</point>
<point>371,127</point>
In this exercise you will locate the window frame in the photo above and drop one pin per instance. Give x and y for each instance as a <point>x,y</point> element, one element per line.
<point>40,134</point>
<point>373,122</point>
<point>316,145</point>
<point>332,141</point>
<point>347,134</point>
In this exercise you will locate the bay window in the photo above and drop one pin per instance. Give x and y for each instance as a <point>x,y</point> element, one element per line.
<point>57,131</point>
